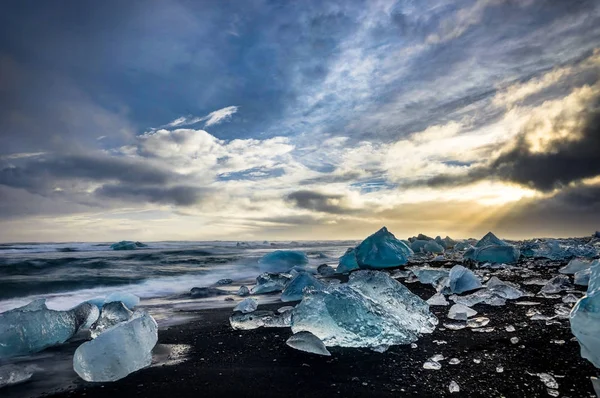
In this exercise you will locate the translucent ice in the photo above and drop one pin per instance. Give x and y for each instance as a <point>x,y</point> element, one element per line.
<point>382,250</point>
<point>282,261</point>
<point>582,278</point>
<point>430,275</point>
<point>270,282</point>
<point>308,342</point>
<point>426,246</point>
<point>243,291</point>
<point>491,240</point>
<point>486,296</point>
<point>462,280</point>
<point>437,299</point>
<point>575,266</point>
<point>111,314</point>
<point>347,262</point>
<point>585,319</point>
<point>504,289</point>
<point>595,380</point>
<point>325,270</point>
<point>14,374</point>
<point>371,310</point>
<point>119,351</point>
<point>32,328</point>
<point>454,387</point>
<point>460,312</point>
<point>556,285</point>
<point>462,246</point>
<point>432,365</point>
<point>257,319</point>
<point>295,288</point>
<point>496,254</point>
<point>247,305</point>
<point>128,299</point>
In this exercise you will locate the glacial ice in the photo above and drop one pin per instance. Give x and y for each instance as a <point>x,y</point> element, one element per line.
<point>14,374</point>
<point>257,319</point>
<point>247,305</point>
<point>582,278</point>
<point>454,387</point>
<point>308,342</point>
<point>370,310</point>
<point>347,262</point>
<point>382,250</point>
<point>585,319</point>
<point>325,270</point>
<point>34,327</point>
<point>243,291</point>
<point>556,285</point>
<point>426,246</point>
<point>119,351</point>
<point>429,275</point>
<point>595,380</point>
<point>295,288</point>
<point>269,282</point>
<point>491,240</point>
<point>575,266</point>
<point>282,261</point>
<point>437,299</point>
<point>462,280</point>
<point>503,289</point>
<point>127,245</point>
<point>460,312</point>
<point>496,254</point>
<point>111,314</point>
<point>129,300</point>
<point>462,246</point>
<point>555,249</point>
<point>204,292</point>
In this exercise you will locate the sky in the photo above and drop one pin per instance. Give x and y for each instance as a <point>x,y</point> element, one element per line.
<point>262,119</point>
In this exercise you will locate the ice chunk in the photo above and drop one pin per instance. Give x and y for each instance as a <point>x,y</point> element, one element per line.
<point>282,261</point>
<point>223,282</point>
<point>270,282</point>
<point>32,328</point>
<point>462,246</point>
<point>308,342</point>
<point>295,288</point>
<point>204,292</point>
<point>382,250</point>
<point>371,310</point>
<point>585,319</point>
<point>460,312</point>
<point>325,270</point>
<point>426,246</point>
<point>429,275</point>
<point>437,299</point>
<point>112,313</point>
<point>347,262</point>
<point>257,319</point>
<point>247,305</point>
<point>481,296</point>
<point>478,322</point>
<point>129,300</point>
<point>596,383</point>
<point>504,289</point>
<point>432,365</point>
<point>556,285</point>
<point>548,380</point>
<point>462,280</point>
<point>582,278</point>
<point>555,249</point>
<point>570,298</point>
<point>575,266</point>
<point>127,245</point>
<point>454,387</point>
<point>490,240</point>
<point>496,254</point>
<point>119,351</point>
<point>243,291</point>
<point>14,374</point>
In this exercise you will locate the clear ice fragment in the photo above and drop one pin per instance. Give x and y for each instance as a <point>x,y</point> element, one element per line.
<point>247,305</point>
<point>111,314</point>
<point>585,319</point>
<point>460,312</point>
<point>437,299</point>
<point>243,291</point>
<point>308,342</point>
<point>14,374</point>
<point>432,365</point>
<point>575,266</point>
<point>257,319</point>
<point>429,275</point>
<point>454,361</point>
<point>582,278</point>
<point>294,290</point>
<point>270,282</point>
<point>129,300</point>
<point>548,380</point>
<point>347,262</point>
<point>454,387</point>
<point>462,280</point>
<point>478,322</point>
<point>556,285</point>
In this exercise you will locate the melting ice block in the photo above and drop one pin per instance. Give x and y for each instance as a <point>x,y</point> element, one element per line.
<point>295,288</point>
<point>34,327</point>
<point>462,280</point>
<point>429,275</point>
<point>582,278</point>
<point>585,319</point>
<point>460,312</point>
<point>247,305</point>
<point>119,351</point>
<point>282,261</point>
<point>308,342</point>
<point>556,285</point>
<point>270,282</point>
<point>575,266</point>
<point>243,291</point>
<point>129,300</point>
<point>111,314</point>
<point>14,374</point>
<point>347,262</point>
<point>382,250</point>
<point>371,310</point>
<point>496,254</point>
<point>257,319</point>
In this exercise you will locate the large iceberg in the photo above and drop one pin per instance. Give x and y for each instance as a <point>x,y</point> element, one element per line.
<point>282,261</point>
<point>294,289</point>
<point>119,351</point>
<point>382,250</point>
<point>111,314</point>
<point>270,282</point>
<point>347,262</point>
<point>585,319</point>
<point>462,280</point>
<point>371,310</point>
<point>34,327</point>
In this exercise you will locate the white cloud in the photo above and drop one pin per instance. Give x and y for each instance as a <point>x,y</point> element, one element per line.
<point>211,119</point>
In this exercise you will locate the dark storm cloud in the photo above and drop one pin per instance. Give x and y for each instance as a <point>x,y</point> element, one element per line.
<point>316,201</point>
<point>177,195</point>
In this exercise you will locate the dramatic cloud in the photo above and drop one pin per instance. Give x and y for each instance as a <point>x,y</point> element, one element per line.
<point>318,202</point>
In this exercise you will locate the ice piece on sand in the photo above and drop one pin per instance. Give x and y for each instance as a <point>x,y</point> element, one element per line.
<point>478,322</point>
<point>556,285</point>
<point>118,351</point>
<point>503,289</point>
<point>570,298</point>
<point>127,245</point>
<point>575,266</point>
<point>382,250</point>
<point>460,312</point>
<point>282,261</point>
<point>243,291</point>
<point>548,380</point>
<point>454,387</point>
<point>486,296</point>
<point>295,288</point>
<point>432,365</point>
<point>325,270</point>
<point>112,313</point>
<point>496,254</point>
<point>582,278</point>
<point>32,328</point>
<point>455,325</point>
<point>347,262</point>
<point>247,305</point>
<point>371,310</point>
<point>437,299</point>
<point>308,342</point>
<point>429,275</point>
<point>204,292</point>
<point>462,280</point>
<point>585,319</point>
<point>14,374</point>
<point>270,282</point>
<point>222,282</point>
<point>257,319</point>
<point>129,300</point>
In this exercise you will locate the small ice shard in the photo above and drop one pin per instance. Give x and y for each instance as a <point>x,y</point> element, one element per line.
<point>129,300</point>
<point>556,285</point>
<point>596,385</point>
<point>381,348</point>
<point>247,305</point>
<point>257,319</point>
<point>510,328</point>
<point>478,322</point>
<point>552,393</point>
<point>514,340</point>
<point>269,282</point>
<point>476,360</point>
<point>504,289</point>
<point>295,288</point>
<point>32,328</point>
<point>308,342</point>
<point>372,309</point>
<point>282,261</point>
<point>126,245</point>
<point>111,314</point>
<point>462,280</point>
<point>483,330</point>
<point>575,266</point>
<point>585,319</point>
<point>347,262</point>
<point>243,291</point>
<point>455,326</point>
<point>432,365</point>
<point>204,292</point>
<point>582,278</point>
<point>285,309</point>
<point>382,250</point>
<point>499,369</point>
<point>14,374</point>
<point>490,240</point>
<point>454,361</point>
<point>429,275</point>
<point>570,298</point>
<point>119,351</point>
<point>437,299</point>
<point>548,380</point>
<point>486,296</point>
<point>325,270</point>
<point>222,282</point>
<point>460,312</point>
<point>454,387</point>
<point>413,345</point>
